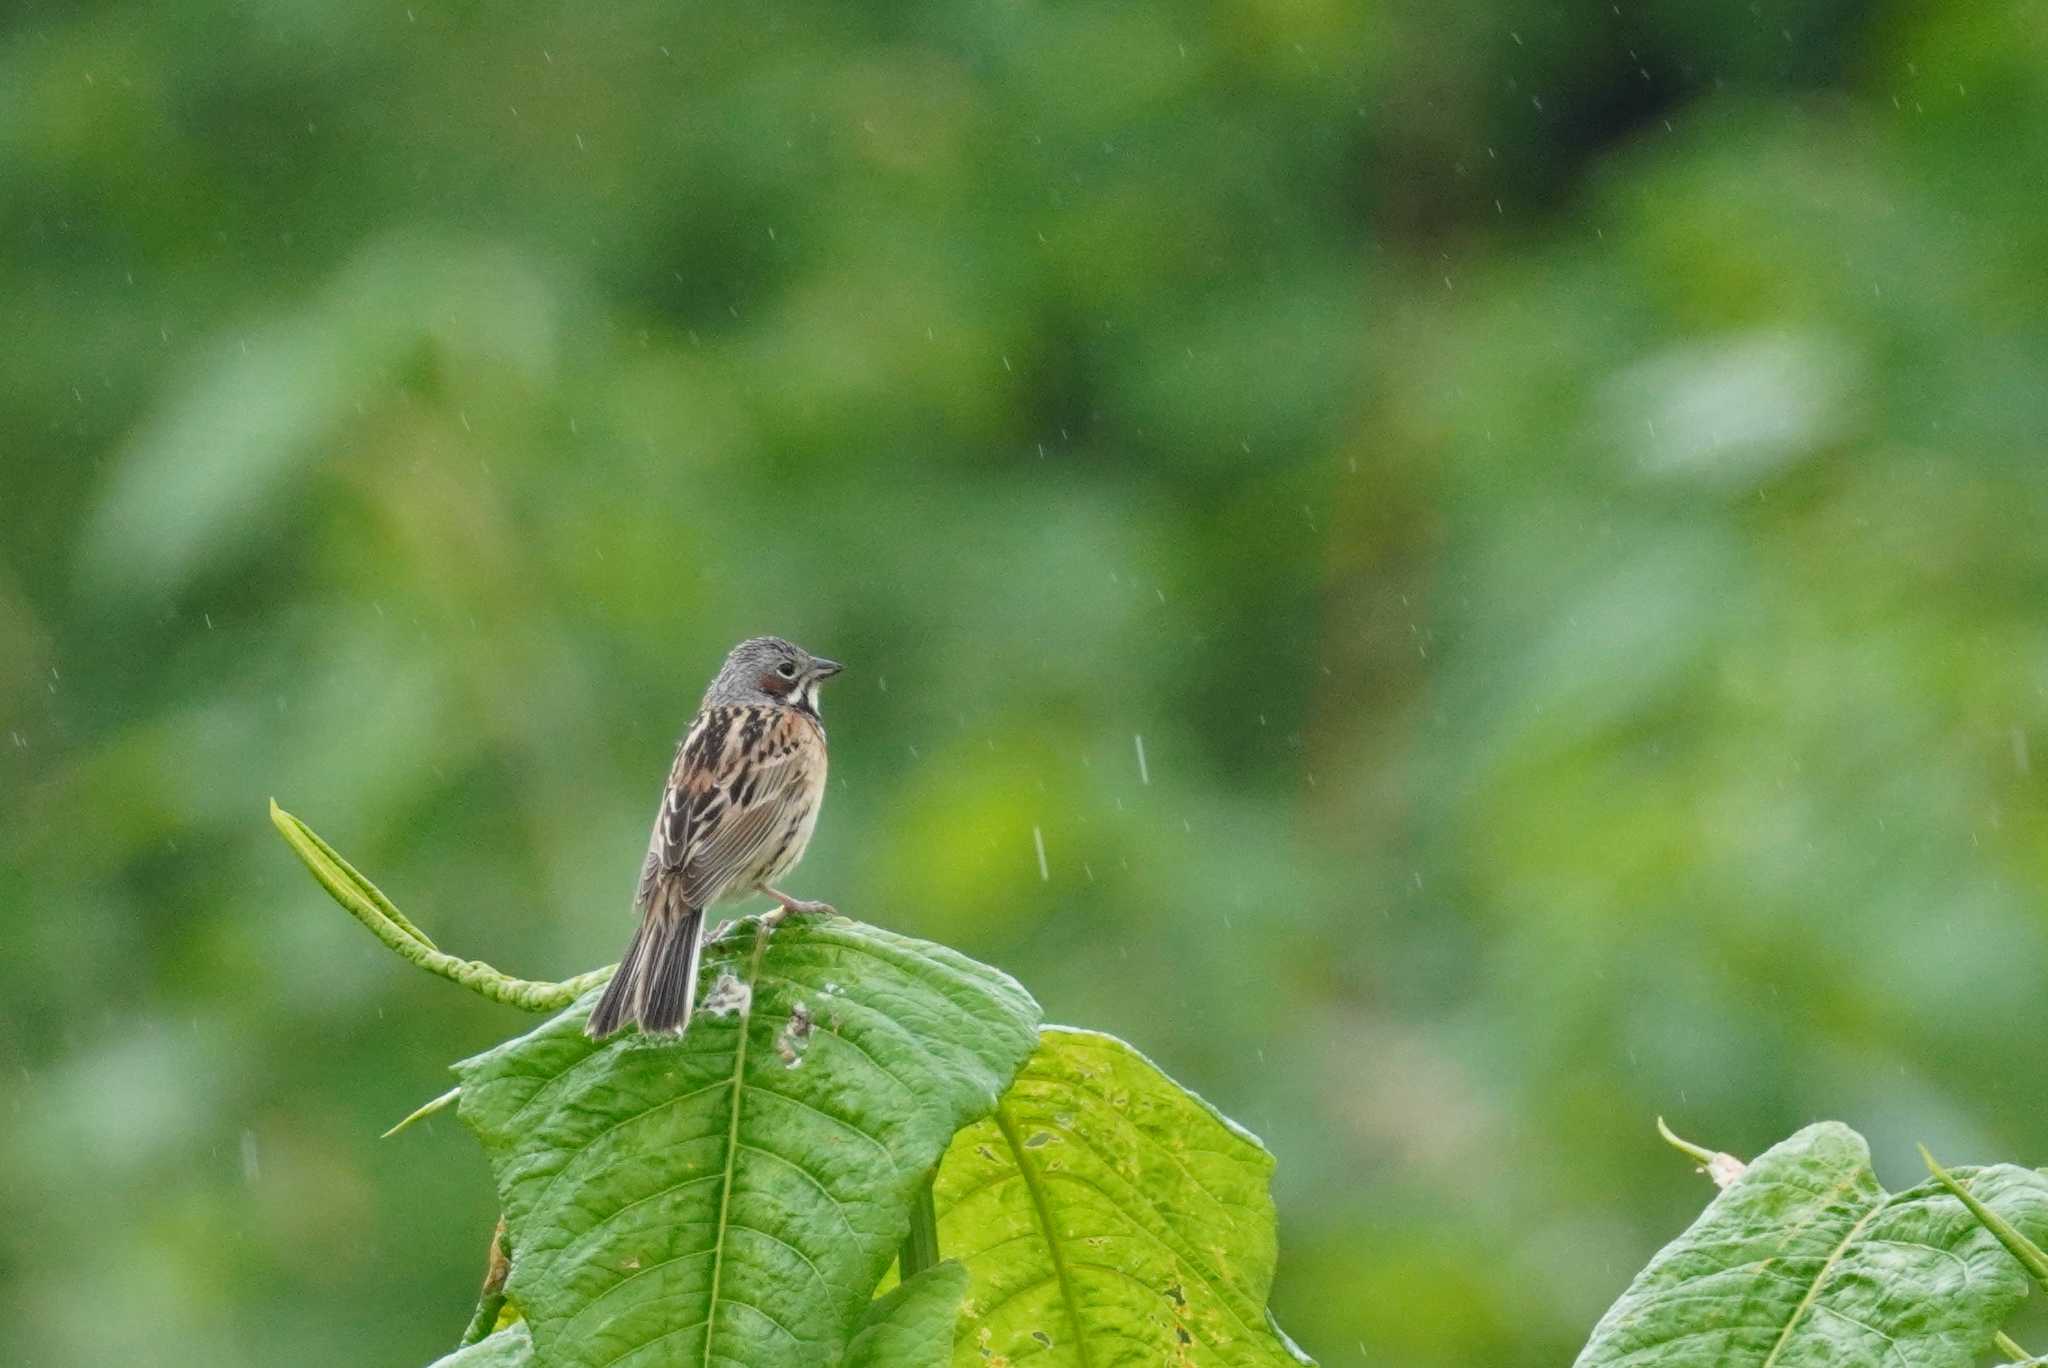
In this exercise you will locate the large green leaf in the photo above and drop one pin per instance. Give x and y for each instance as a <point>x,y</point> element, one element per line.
<point>733,1197</point>
<point>912,1327</point>
<point>1109,1216</point>
<point>1806,1260</point>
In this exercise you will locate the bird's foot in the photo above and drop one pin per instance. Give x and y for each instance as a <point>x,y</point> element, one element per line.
<point>795,907</point>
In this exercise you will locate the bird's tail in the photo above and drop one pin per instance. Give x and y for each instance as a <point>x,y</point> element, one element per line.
<point>657,980</point>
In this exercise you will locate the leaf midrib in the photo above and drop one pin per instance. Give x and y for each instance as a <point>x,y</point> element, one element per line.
<point>1043,1209</point>
<point>1819,1281</point>
<point>732,1147</point>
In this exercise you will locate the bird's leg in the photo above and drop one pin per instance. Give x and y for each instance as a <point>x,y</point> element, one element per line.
<point>800,907</point>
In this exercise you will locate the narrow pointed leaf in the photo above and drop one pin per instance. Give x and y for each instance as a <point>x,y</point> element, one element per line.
<point>2019,1246</point>
<point>1108,1216</point>
<point>912,1327</point>
<point>1805,1260</point>
<point>343,881</point>
<point>732,1197</point>
<point>423,1111</point>
<point>368,905</point>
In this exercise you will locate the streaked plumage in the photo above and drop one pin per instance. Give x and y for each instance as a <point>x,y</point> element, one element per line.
<point>739,807</point>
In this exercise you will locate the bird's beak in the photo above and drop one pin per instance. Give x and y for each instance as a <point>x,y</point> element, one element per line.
<point>825,669</point>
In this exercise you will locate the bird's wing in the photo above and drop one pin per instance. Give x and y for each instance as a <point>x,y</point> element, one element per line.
<point>671,834</point>
<point>735,776</point>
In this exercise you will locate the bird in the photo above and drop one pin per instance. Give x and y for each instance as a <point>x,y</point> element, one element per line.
<point>738,809</point>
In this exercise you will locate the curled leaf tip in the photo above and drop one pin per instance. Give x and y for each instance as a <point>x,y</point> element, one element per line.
<point>1683,1146</point>
<point>1721,1167</point>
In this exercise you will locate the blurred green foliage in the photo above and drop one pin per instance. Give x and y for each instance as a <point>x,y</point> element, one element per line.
<point>1557,488</point>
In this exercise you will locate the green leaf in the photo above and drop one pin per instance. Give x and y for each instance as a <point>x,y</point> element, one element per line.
<point>1806,1260</point>
<point>733,1197</point>
<point>1107,1215</point>
<point>912,1327</point>
<point>511,1347</point>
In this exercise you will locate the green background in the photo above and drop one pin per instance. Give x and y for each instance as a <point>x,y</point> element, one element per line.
<point>1558,489</point>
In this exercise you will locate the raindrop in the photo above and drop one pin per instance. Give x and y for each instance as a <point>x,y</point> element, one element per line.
<point>1144,774</point>
<point>1038,841</point>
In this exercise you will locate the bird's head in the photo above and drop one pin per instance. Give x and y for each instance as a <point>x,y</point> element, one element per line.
<point>770,670</point>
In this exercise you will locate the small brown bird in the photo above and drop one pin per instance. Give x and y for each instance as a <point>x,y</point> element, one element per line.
<point>741,802</point>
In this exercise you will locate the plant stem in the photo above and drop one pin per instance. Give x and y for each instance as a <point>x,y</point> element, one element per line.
<point>2008,1346</point>
<point>921,1246</point>
<point>491,1300</point>
<point>368,905</point>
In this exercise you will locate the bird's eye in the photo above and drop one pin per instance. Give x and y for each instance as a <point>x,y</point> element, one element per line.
<point>786,670</point>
